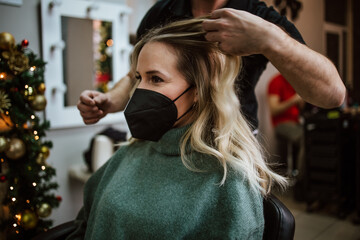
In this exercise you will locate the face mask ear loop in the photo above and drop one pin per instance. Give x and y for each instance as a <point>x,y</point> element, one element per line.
<point>190,108</point>
<point>183,93</point>
<point>179,97</point>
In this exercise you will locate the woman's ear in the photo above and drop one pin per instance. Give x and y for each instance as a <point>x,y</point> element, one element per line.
<point>195,95</point>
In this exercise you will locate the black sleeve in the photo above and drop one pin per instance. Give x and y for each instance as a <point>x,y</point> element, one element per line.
<point>260,9</point>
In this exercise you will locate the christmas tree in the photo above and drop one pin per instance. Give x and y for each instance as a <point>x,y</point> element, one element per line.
<point>104,63</point>
<point>26,186</point>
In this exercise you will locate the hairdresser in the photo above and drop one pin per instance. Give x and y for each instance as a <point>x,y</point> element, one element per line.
<point>246,28</point>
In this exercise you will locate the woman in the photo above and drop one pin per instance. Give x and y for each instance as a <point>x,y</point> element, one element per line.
<point>197,171</point>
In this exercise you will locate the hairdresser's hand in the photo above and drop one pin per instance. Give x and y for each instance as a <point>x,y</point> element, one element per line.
<point>239,32</point>
<point>93,106</point>
<point>299,101</point>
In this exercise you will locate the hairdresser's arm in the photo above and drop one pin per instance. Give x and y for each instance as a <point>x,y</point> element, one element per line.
<point>311,74</point>
<point>94,105</point>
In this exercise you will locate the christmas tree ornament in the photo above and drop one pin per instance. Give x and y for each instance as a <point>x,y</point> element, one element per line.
<point>28,219</point>
<point>109,51</point>
<point>44,210</point>
<point>25,43</point>
<point>4,144</point>
<point>7,41</point>
<point>16,150</point>
<point>45,151</point>
<point>4,101</point>
<point>18,62</point>
<point>59,198</point>
<point>39,102</point>
<point>29,93</point>
<point>5,123</point>
<point>3,178</point>
<point>40,159</point>
<point>41,88</point>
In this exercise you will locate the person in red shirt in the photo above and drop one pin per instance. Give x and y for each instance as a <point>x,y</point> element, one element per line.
<point>285,105</point>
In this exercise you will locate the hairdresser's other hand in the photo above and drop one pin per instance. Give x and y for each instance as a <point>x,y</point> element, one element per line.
<point>239,32</point>
<point>298,100</point>
<point>93,106</point>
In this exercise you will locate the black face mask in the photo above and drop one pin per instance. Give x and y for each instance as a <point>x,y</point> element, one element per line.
<point>150,114</point>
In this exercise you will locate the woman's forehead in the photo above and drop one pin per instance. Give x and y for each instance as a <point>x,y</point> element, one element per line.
<point>157,56</point>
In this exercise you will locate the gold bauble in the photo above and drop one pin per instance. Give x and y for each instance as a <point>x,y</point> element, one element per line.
<point>28,220</point>
<point>7,41</point>
<point>16,150</point>
<point>41,88</point>
<point>44,210</point>
<point>40,159</point>
<point>45,150</point>
<point>39,103</point>
<point>4,144</point>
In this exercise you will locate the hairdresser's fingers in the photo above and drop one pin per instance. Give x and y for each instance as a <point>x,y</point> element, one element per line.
<point>89,108</point>
<point>219,19</point>
<point>210,25</point>
<point>239,32</point>
<point>91,121</point>
<point>214,36</point>
<point>86,108</point>
<point>91,116</point>
<point>218,13</point>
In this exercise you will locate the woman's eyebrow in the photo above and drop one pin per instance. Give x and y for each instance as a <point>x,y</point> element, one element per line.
<point>150,72</point>
<point>153,72</point>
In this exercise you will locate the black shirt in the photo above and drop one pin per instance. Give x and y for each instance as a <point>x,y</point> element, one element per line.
<point>165,11</point>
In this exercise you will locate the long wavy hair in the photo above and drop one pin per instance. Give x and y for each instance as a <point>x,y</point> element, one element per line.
<point>219,128</point>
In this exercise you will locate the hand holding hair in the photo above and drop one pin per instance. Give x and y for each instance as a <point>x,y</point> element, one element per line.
<point>238,32</point>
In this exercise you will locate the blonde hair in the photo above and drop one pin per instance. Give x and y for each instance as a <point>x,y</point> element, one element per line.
<point>219,128</point>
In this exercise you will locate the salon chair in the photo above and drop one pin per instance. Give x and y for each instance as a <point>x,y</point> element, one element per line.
<point>279,223</point>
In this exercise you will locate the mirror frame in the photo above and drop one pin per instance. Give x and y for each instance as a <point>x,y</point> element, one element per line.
<point>61,116</point>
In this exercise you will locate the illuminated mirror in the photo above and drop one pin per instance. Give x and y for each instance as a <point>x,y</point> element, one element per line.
<point>86,46</point>
<point>87,57</point>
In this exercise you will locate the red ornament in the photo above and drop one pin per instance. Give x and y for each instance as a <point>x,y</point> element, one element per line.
<point>102,77</point>
<point>25,43</point>
<point>59,198</point>
<point>3,178</point>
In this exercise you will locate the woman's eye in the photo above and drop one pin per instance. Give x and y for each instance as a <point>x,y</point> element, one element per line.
<point>138,77</point>
<point>156,79</point>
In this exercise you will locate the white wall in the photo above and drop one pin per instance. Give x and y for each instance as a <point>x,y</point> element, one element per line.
<point>69,144</point>
<point>310,25</point>
<point>22,22</point>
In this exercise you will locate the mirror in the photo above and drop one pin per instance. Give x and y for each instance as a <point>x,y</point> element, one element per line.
<point>87,57</point>
<point>86,46</point>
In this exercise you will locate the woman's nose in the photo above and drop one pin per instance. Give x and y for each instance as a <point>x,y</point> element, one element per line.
<point>142,84</point>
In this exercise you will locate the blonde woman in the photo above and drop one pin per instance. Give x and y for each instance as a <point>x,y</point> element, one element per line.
<point>195,171</point>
